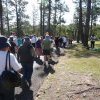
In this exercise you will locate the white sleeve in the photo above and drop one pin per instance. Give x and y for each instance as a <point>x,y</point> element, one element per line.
<point>14,63</point>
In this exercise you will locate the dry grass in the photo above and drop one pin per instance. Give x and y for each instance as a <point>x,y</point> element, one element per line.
<point>83,60</point>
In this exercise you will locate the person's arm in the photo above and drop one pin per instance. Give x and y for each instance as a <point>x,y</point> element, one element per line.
<point>18,55</point>
<point>42,45</point>
<point>94,37</point>
<point>33,52</point>
<point>14,63</point>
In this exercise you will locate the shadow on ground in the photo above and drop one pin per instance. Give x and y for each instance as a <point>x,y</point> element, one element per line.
<point>80,51</point>
<point>25,95</point>
<point>49,69</point>
<point>42,75</point>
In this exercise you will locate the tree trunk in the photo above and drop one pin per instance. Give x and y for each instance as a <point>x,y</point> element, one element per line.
<point>60,18</point>
<point>49,17</point>
<point>55,20</point>
<point>41,19</point>
<point>91,25</point>
<point>8,28</point>
<point>87,26</point>
<point>1,18</point>
<point>80,30</point>
<point>18,20</point>
<point>17,29</point>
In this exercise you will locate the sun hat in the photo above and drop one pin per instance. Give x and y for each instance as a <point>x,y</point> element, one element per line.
<point>4,42</point>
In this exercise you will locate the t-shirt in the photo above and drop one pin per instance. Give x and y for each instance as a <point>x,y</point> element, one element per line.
<point>34,39</point>
<point>15,41</point>
<point>20,41</point>
<point>64,39</point>
<point>38,44</point>
<point>46,45</point>
<point>13,61</point>
<point>92,38</point>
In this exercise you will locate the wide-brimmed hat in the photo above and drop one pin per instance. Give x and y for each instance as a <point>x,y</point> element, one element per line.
<point>3,42</point>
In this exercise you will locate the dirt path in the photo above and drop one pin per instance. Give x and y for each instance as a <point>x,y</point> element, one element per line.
<point>68,85</point>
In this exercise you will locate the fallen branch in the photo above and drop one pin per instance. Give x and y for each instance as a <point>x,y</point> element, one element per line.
<point>92,88</point>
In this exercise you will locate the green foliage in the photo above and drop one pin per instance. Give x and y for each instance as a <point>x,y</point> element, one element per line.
<point>18,11</point>
<point>67,30</point>
<point>61,30</point>
<point>96,31</point>
<point>70,30</point>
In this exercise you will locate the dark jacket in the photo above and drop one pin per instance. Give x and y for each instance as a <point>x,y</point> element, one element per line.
<point>26,53</point>
<point>12,47</point>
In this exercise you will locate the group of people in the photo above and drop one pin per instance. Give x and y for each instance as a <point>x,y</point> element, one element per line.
<point>23,51</point>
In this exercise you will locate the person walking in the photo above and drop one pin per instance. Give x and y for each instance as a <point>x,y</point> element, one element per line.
<point>7,94</point>
<point>38,47</point>
<point>46,46</point>
<point>92,39</point>
<point>33,40</point>
<point>57,45</point>
<point>26,54</point>
<point>64,41</point>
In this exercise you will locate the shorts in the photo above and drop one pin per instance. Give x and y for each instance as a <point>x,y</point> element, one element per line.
<point>46,52</point>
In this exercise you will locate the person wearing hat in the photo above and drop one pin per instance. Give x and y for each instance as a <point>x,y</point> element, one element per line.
<point>26,53</point>
<point>46,46</point>
<point>6,94</point>
<point>33,40</point>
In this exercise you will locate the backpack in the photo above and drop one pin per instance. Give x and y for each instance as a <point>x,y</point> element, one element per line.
<point>46,44</point>
<point>9,77</point>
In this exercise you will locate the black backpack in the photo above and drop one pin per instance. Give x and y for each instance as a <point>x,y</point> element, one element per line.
<point>9,77</point>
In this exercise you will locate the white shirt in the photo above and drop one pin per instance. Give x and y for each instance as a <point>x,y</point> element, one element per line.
<point>34,39</point>
<point>13,61</point>
<point>64,39</point>
<point>92,38</point>
<point>15,40</point>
